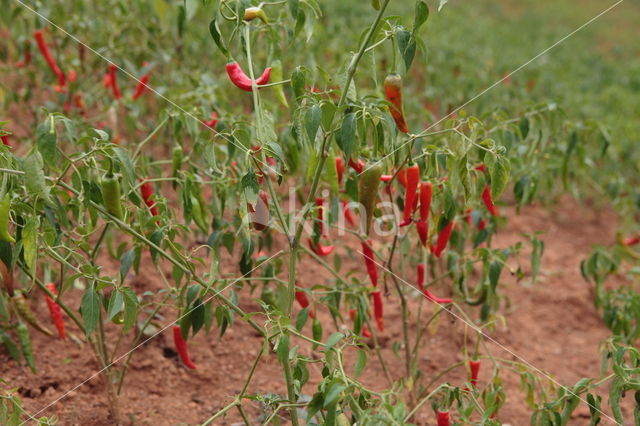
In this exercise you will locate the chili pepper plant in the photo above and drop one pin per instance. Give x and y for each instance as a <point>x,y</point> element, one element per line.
<point>277,159</point>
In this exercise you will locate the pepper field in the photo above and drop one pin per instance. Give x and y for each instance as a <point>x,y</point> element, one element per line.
<point>319,212</point>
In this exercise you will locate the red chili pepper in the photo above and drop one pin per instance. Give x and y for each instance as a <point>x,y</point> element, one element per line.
<point>426,194</point>
<point>347,213</point>
<point>482,224</point>
<point>5,140</point>
<point>632,241</point>
<point>488,201</point>
<point>181,347</point>
<point>339,169</point>
<point>421,276</point>
<point>106,80</point>
<point>474,366</point>
<point>142,86</point>
<point>481,168</point>
<point>242,81</point>
<point>443,418</point>
<point>213,122</point>
<point>443,239</point>
<point>44,49</point>
<point>386,178</point>
<point>393,94</point>
<point>303,300</point>
<point>402,177</point>
<point>146,190</point>
<point>423,232</point>
<point>72,76</point>
<point>319,249</point>
<point>365,329</point>
<point>378,309</point>
<point>358,167</point>
<point>367,251</point>
<point>320,205</point>
<point>54,311</point>
<point>113,82</point>
<point>413,178</point>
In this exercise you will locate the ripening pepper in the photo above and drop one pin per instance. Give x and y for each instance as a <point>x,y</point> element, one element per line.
<point>393,94</point>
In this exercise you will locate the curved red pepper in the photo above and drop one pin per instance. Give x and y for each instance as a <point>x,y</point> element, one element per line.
<point>365,329</point>
<point>146,190</point>
<point>474,366</point>
<point>378,309</point>
<point>413,178</point>
<point>421,276</point>
<point>339,168</point>
<point>347,213</point>
<point>443,239</point>
<point>53,65</point>
<point>181,347</point>
<point>213,121</point>
<point>142,86</point>
<point>55,312</point>
<point>367,251</point>
<point>303,300</point>
<point>427,293</point>
<point>358,167</point>
<point>113,82</point>
<point>488,201</point>
<point>631,241</point>
<point>402,177</point>
<point>5,140</point>
<point>426,194</point>
<point>443,418</point>
<point>242,81</point>
<point>423,232</point>
<point>319,249</point>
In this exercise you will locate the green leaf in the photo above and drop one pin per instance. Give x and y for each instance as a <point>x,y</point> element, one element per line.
<point>34,176</point>
<point>217,38</point>
<point>298,82</point>
<point>116,304</point>
<point>30,242</point>
<point>283,349</point>
<point>333,339</point>
<point>126,261</point>
<point>346,137</point>
<point>494,273</point>
<point>361,363</point>
<point>130,308</point>
<point>407,47</point>
<point>250,187</point>
<point>312,122</point>
<point>90,309</point>
<point>499,176</point>
<point>46,140</point>
<point>333,393</point>
<point>421,15</point>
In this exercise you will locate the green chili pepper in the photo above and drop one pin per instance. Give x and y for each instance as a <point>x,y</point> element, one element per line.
<point>176,161</point>
<point>25,345</point>
<point>22,306</point>
<point>368,192</point>
<point>111,195</point>
<point>196,214</point>
<point>276,75</point>
<point>5,209</point>
<point>316,329</point>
